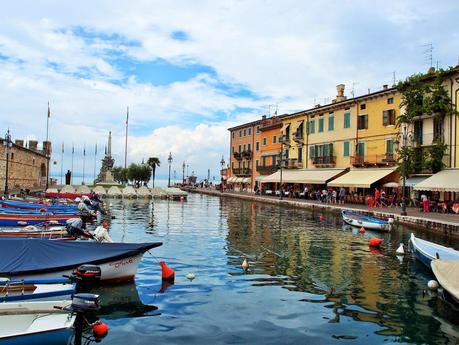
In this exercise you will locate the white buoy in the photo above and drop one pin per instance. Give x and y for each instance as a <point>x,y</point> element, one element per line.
<point>400,250</point>
<point>190,276</point>
<point>432,285</point>
<point>245,264</point>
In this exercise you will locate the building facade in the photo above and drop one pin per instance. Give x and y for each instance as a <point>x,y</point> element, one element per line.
<point>27,165</point>
<point>269,145</point>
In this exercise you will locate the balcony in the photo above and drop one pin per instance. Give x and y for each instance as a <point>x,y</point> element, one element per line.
<point>284,139</point>
<point>292,164</point>
<point>246,154</point>
<point>325,161</point>
<point>242,172</point>
<point>267,169</point>
<point>386,159</point>
<point>237,155</point>
<point>298,137</point>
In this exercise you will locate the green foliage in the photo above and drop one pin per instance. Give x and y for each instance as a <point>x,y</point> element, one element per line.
<point>434,157</point>
<point>120,175</point>
<point>153,162</point>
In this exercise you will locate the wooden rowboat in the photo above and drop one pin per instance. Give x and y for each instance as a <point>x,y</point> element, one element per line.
<point>426,251</point>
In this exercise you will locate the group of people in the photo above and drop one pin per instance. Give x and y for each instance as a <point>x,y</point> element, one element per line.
<point>329,196</point>
<point>381,199</point>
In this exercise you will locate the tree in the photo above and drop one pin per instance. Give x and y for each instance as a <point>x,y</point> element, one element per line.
<point>139,173</point>
<point>120,175</point>
<point>153,162</point>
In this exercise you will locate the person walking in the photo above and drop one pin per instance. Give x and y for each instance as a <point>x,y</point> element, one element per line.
<point>342,195</point>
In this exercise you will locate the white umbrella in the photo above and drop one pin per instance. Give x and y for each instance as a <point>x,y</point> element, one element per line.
<point>390,185</point>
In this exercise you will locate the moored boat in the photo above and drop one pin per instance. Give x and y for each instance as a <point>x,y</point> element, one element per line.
<point>15,204</point>
<point>447,274</point>
<point>35,258</point>
<point>34,290</point>
<point>360,220</point>
<point>426,251</point>
<point>32,219</point>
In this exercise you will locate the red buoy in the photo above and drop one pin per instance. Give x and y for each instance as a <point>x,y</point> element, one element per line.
<point>99,329</point>
<point>167,272</point>
<point>375,242</point>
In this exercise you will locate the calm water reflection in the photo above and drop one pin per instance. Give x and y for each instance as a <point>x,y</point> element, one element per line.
<point>309,281</point>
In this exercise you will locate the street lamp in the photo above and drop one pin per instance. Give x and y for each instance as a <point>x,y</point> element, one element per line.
<point>406,137</point>
<point>222,163</point>
<point>8,144</point>
<point>283,143</point>
<point>183,172</point>
<point>170,162</point>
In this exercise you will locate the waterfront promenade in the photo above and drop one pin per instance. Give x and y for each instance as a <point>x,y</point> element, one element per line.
<point>433,221</point>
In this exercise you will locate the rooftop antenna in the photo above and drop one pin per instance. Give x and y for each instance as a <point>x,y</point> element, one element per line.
<point>393,74</point>
<point>353,89</point>
<point>428,53</point>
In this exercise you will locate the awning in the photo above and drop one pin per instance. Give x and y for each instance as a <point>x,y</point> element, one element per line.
<point>297,124</point>
<point>309,176</point>
<point>413,181</point>
<point>444,181</point>
<point>246,180</point>
<point>231,179</point>
<point>284,127</point>
<point>260,178</point>
<point>361,178</point>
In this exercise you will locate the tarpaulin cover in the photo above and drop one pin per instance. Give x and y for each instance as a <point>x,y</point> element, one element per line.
<point>26,256</point>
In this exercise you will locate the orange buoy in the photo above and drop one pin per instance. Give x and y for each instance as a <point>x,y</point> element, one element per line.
<point>362,230</point>
<point>375,242</point>
<point>167,272</point>
<point>99,329</point>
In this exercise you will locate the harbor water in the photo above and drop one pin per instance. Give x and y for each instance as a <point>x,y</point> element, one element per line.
<point>310,279</point>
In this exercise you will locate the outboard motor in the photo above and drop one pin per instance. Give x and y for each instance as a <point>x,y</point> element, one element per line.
<point>85,303</point>
<point>87,274</point>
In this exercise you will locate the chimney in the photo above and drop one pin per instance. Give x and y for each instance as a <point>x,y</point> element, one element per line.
<point>263,117</point>
<point>19,142</point>
<point>47,148</point>
<point>340,93</point>
<point>384,87</point>
<point>33,144</point>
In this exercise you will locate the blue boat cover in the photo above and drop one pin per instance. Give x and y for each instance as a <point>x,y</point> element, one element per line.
<point>28,256</point>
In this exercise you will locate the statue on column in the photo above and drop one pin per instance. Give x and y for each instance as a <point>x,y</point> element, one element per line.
<point>105,174</point>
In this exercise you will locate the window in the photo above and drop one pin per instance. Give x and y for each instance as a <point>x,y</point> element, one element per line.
<point>389,117</point>
<point>300,154</point>
<point>390,146</point>
<point>257,146</point>
<point>12,155</point>
<point>346,149</point>
<point>250,131</point>
<point>363,106</point>
<point>244,147</point>
<point>321,124</point>
<point>245,132</point>
<point>256,163</point>
<point>274,139</point>
<point>362,122</point>
<point>331,123</point>
<point>361,149</point>
<point>418,132</point>
<point>390,100</point>
<point>258,129</point>
<point>263,161</point>
<point>240,148</point>
<point>347,120</point>
<point>438,129</point>
<point>239,164</point>
<point>264,141</point>
<point>232,135</point>
<point>240,133</point>
<point>243,164</point>
<point>248,147</point>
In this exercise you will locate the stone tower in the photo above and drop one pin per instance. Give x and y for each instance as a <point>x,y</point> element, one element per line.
<point>105,175</point>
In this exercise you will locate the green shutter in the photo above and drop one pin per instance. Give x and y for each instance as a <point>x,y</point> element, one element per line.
<point>331,123</point>
<point>325,150</point>
<point>307,127</point>
<point>390,146</point>
<point>346,149</point>
<point>321,125</point>
<point>311,152</point>
<point>347,120</point>
<point>385,117</point>
<point>331,149</point>
<point>313,126</point>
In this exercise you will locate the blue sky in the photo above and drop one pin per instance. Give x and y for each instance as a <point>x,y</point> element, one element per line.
<point>190,70</point>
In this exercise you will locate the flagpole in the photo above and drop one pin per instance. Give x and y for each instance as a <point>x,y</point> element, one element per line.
<point>125,146</point>
<point>46,149</point>
<point>95,163</point>
<point>84,158</point>
<point>62,161</point>
<point>73,152</point>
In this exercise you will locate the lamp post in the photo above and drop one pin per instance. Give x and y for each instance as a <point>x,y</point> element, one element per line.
<point>222,163</point>
<point>169,159</point>
<point>8,144</point>
<point>405,136</point>
<point>183,172</point>
<point>281,159</point>
<point>174,176</point>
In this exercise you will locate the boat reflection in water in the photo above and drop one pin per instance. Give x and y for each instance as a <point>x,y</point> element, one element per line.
<point>122,301</point>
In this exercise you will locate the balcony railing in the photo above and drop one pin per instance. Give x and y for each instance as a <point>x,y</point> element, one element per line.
<point>386,159</point>
<point>237,155</point>
<point>246,154</point>
<point>284,139</point>
<point>298,136</point>
<point>292,164</point>
<point>325,160</point>
<point>242,171</point>
<point>267,169</point>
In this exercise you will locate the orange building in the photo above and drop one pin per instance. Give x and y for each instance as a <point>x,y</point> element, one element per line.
<point>244,155</point>
<point>269,145</point>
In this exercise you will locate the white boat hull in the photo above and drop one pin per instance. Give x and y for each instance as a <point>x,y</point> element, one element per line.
<point>366,224</point>
<point>121,270</point>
